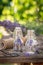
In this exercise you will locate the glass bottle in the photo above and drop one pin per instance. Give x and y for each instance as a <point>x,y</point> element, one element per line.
<point>17,39</point>
<point>31,41</point>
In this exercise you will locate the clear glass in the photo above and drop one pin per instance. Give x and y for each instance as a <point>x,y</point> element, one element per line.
<point>31,42</point>
<point>17,39</point>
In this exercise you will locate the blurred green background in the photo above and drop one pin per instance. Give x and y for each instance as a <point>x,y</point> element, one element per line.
<point>22,10</point>
<point>26,12</point>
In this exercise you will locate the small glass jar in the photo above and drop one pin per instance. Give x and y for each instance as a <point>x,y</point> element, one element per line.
<point>31,41</point>
<point>17,35</point>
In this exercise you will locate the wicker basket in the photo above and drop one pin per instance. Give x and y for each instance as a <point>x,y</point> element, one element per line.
<point>6,43</point>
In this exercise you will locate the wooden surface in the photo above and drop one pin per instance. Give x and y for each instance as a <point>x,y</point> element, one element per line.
<point>22,59</point>
<point>35,59</point>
